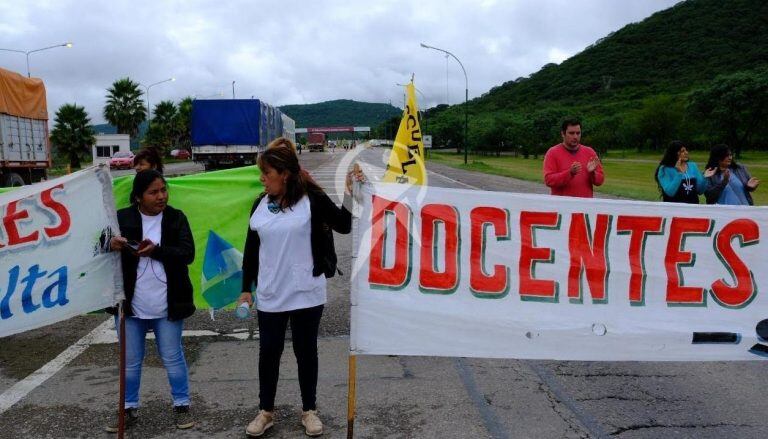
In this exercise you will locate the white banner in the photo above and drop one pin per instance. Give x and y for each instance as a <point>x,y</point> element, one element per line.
<point>451,272</point>
<point>53,264</point>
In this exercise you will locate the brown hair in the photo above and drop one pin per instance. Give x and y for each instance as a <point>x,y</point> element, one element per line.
<point>283,159</point>
<point>282,141</point>
<point>151,156</point>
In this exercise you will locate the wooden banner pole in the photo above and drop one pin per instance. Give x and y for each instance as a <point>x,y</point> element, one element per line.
<point>351,396</point>
<point>121,341</point>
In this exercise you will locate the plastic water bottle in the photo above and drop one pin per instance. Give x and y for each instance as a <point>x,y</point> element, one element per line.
<point>243,311</point>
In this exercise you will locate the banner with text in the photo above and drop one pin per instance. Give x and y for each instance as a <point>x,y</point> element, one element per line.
<point>452,272</point>
<point>54,264</point>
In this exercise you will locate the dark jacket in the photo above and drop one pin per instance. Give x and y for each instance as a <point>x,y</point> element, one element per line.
<point>176,251</point>
<point>716,184</point>
<point>325,215</point>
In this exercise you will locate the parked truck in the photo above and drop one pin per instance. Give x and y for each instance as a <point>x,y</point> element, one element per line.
<point>316,141</point>
<point>232,132</point>
<point>25,151</point>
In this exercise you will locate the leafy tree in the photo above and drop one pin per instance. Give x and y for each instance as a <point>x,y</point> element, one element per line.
<point>545,127</point>
<point>518,137</point>
<point>448,132</point>
<point>487,134</point>
<point>659,119</point>
<point>735,106</point>
<point>72,135</point>
<point>125,107</point>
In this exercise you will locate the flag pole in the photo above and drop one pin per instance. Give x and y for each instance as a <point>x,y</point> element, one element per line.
<point>351,396</point>
<point>121,341</point>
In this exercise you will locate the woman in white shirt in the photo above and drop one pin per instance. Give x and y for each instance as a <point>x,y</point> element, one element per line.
<point>156,246</point>
<point>288,255</point>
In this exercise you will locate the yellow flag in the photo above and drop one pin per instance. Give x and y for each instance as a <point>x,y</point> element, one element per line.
<point>406,163</point>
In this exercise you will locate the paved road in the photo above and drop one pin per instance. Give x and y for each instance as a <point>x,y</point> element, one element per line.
<point>171,169</point>
<point>398,397</point>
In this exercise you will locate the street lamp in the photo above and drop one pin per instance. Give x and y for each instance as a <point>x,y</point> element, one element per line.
<point>147,87</point>
<point>28,52</point>
<point>466,96</point>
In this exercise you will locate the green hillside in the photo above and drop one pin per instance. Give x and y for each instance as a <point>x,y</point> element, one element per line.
<point>342,112</point>
<point>639,78</point>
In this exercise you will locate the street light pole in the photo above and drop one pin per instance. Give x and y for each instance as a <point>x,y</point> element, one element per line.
<point>28,52</point>
<point>147,87</point>
<point>466,97</point>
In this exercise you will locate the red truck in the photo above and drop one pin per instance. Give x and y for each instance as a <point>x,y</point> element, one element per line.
<point>316,142</point>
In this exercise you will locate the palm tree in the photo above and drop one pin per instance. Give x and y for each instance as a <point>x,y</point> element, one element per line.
<point>165,113</point>
<point>161,134</point>
<point>184,123</point>
<point>72,134</point>
<point>125,107</point>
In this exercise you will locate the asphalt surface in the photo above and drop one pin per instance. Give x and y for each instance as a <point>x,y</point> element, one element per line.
<point>398,397</point>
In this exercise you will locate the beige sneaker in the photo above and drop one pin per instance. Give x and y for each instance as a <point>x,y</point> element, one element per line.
<point>263,422</point>
<point>312,424</point>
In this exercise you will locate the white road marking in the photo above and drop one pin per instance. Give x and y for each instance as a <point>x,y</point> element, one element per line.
<point>21,389</point>
<point>103,334</point>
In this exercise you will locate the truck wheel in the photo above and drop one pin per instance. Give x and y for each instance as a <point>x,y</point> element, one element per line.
<point>13,179</point>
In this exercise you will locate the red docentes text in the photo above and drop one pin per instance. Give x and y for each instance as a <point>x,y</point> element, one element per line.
<point>25,221</point>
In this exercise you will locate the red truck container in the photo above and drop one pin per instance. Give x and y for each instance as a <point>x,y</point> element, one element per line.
<point>25,152</point>
<point>316,141</point>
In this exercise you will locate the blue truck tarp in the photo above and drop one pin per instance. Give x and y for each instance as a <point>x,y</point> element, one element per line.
<point>229,122</point>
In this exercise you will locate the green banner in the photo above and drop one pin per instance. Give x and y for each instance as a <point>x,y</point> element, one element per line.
<point>218,201</point>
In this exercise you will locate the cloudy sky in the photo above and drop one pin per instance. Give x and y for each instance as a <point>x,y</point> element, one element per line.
<point>295,52</point>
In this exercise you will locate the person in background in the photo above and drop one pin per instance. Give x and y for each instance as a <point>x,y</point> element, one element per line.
<point>147,158</point>
<point>730,183</point>
<point>156,246</point>
<point>570,168</point>
<point>287,258</point>
<point>678,178</point>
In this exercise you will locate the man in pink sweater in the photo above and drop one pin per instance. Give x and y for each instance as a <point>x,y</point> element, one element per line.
<point>570,168</point>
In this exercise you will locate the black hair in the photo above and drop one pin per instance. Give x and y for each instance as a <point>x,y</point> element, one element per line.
<point>283,158</point>
<point>151,156</point>
<point>669,159</point>
<point>141,182</point>
<point>717,153</point>
<point>569,121</point>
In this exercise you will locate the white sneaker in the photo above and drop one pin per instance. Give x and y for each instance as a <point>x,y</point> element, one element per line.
<point>312,424</point>
<point>263,422</point>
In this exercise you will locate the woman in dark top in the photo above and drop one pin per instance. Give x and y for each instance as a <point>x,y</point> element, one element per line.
<point>156,246</point>
<point>731,183</point>
<point>678,178</point>
<point>288,255</point>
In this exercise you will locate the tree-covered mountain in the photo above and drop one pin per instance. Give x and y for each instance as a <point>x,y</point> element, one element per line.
<point>341,112</point>
<point>641,76</point>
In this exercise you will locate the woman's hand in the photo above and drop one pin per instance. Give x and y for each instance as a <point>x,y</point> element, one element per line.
<point>753,183</point>
<point>117,243</point>
<point>146,247</point>
<point>246,297</point>
<point>355,175</point>
<point>709,172</point>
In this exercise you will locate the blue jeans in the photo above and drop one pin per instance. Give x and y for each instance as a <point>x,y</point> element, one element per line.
<point>168,340</point>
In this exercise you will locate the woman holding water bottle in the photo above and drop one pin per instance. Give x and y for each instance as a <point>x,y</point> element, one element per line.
<point>287,257</point>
